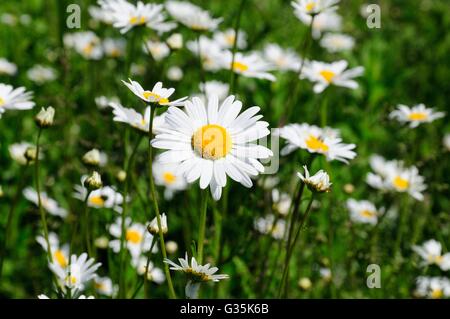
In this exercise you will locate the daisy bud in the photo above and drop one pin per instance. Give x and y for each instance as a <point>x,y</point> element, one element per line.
<point>349,188</point>
<point>31,154</point>
<point>101,242</point>
<point>174,73</point>
<point>121,175</point>
<point>45,117</point>
<point>305,283</point>
<point>153,226</point>
<point>175,41</point>
<point>92,157</point>
<point>171,247</point>
<point>319,182</point>
<point>94,181</point>
<point>1,192</point>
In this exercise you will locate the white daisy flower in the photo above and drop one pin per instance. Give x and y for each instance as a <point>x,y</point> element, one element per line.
<point>137,120</point>
<point>319,182</point>
<point>157,95</point>
<point>41,74</point>
<point>313,7</point>
<point>209,143</point>
<point>7,67</point>
<point>226,39</point>
<point>18,150</point>
<point>325,74</point>
<point>415,115</point>
<point>192,16</point>
<point>250,65</point>
<point>175,41</point>
<point>126,15</point>
<point>104,197</point>
<point>211,53</point>
<point>165,174</point>
<point>269,225</point>
<point>433,287</point>
<point>393,176</point>
<point>337,42</point>
<point>316,140</point>
<point>137,239</point>
<point>218,88</point>
<point>174,73</point>
<point>325,273</point>
<point>325,21</point>
<point>158,50</point>
<point>60,254</point>
<point>104,286</point>
<point>42,296</point>
<point>281,202</point>
<point>98,14</point>
<point>114,48</point>
<point>104,101</point>
<point>77,273</point>
<point>49,204</point>
<point>282,59</point>
<point>85,43</point>
<point>362,211</point>
<point>14,99</point>
<point>154,274</point>
<point>431,253</point>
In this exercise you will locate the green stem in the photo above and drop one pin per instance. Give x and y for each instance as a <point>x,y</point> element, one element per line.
<point>155,203</point>
<point>87,226</point>
<point>201,231</point>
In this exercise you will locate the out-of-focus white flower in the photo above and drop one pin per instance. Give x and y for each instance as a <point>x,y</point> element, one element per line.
<point>433,287</point>
<point>226,39</point>
<point>7,67</point>
<point>99,14</point>
<point>14,99</point>
<point>313,7</point>
<point>282,59</point>
<point>337,42</point>
<point>41,74</point>
<point>431,253</point>
<point>270,225</point>
<point>192,16</point>
<point>165,174</point>
<point>250,65</point>
<point>103,102</point>
<point>137,69</point>
<point>154,274</point>
<point>319,182</point>
<point>175,41</point>
<point>104,286</point>
<point>158,50</point>
<point>211,54</point>
<point>446,142</point>
<point>8,19</point>
<point>49,204</point>
<point>60,254</point>
<point>362,211</point>
<point>305,283</point>
<point>217,88</point>
<point>415,115</point>
<point>281,202</point>
<point>325,141</point>
<point>325,273</point>
<point>18,150</point>
<point>137,120</point>
<point>171,247</point>
<point>114,48</point>
<point>326,74</point>
<point>85,43</point>
<point>174,73</point>
<point>325,21</point>
<point>158,94</point>
<point>105,197</point>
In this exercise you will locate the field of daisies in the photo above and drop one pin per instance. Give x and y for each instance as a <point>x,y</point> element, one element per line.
<point>224,149</point>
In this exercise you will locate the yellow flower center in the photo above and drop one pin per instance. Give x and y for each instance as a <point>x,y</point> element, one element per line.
<point>229,38</point>
<point>417,116</point>
<point>241,67</point>
<point>169,178</point>
<point>115,53</point>
<point>328,75</point>
<point>155,97</point>
<point>97,201</point>
<point>99,286</point>
<point>367,213</point>
<point>436,293</point>
<point>401,183</point>
<point>88,49</point>
<point>2,101</point>
<point>137,20</point>
<point>60,258</point>
<point>435,259</point>
<point>71,279</point>
<point>310,6</point>
<point>134,236</point>
<point>316,144</point>
<point>212,141</point>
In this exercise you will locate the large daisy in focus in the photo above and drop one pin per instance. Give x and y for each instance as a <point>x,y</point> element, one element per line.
<point>211,142</point>
<point>415,115</point>
<point>192,16</point>
<point>326,74</point>
<point>316,140</point>
<point>157,95</point>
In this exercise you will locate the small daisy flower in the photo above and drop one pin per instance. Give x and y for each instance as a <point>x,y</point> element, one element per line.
<point>85,43</point>
<point>165,174</point>
<point>14,99</point>
<point>325,21</point>
<point>316,140</point>
<point>154,274</point>
<point>281,202</point>
<point>319,182</point>
<point>104,197</point>
<point>211,53</point>
<point>98,14</point>
<point>226,39</point>
<point>314,7</point>
<point>157,95</point>
<point>49,204</point>
<point>337,42</point>
<point>158,50</point>
<point>393,176</point>
<point>415,115</point>
<point>192,16</point>
<point>137,120</point>
<point>269,225</point>
<point>18,150</point>
<point>250,65</point>
<point>60,254</point>
<point>104,286</point>
<point>77,273</point>
<point>431,253</point>
<point>218,88</point>
<point>362,211</point>
<point>174,73</point>
<point>210,142</point>
<point>433,287</point>
<point>7,67</point>
<point>125,15</point>
<point>326,74</point>
<point>41,74</point>
<point>114,48</point>
<point>175,41</point>
<point>137,239</point>
<point>282,59</point>
<point>104,101</point>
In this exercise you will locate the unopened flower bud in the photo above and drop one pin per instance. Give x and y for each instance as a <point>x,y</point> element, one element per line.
<point>175,41</point>
<point>1,192</point>
<point>305,283</point>
<point>319,182</point>
<point>45,117</point>
<point>171,247</point>
<point>101,242</point>
<point>31,154</point>
<point>121,175</point>
<point>94,181</point>
<point>349,188</point>
<point>153,226</point>
<point>92,157</point>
